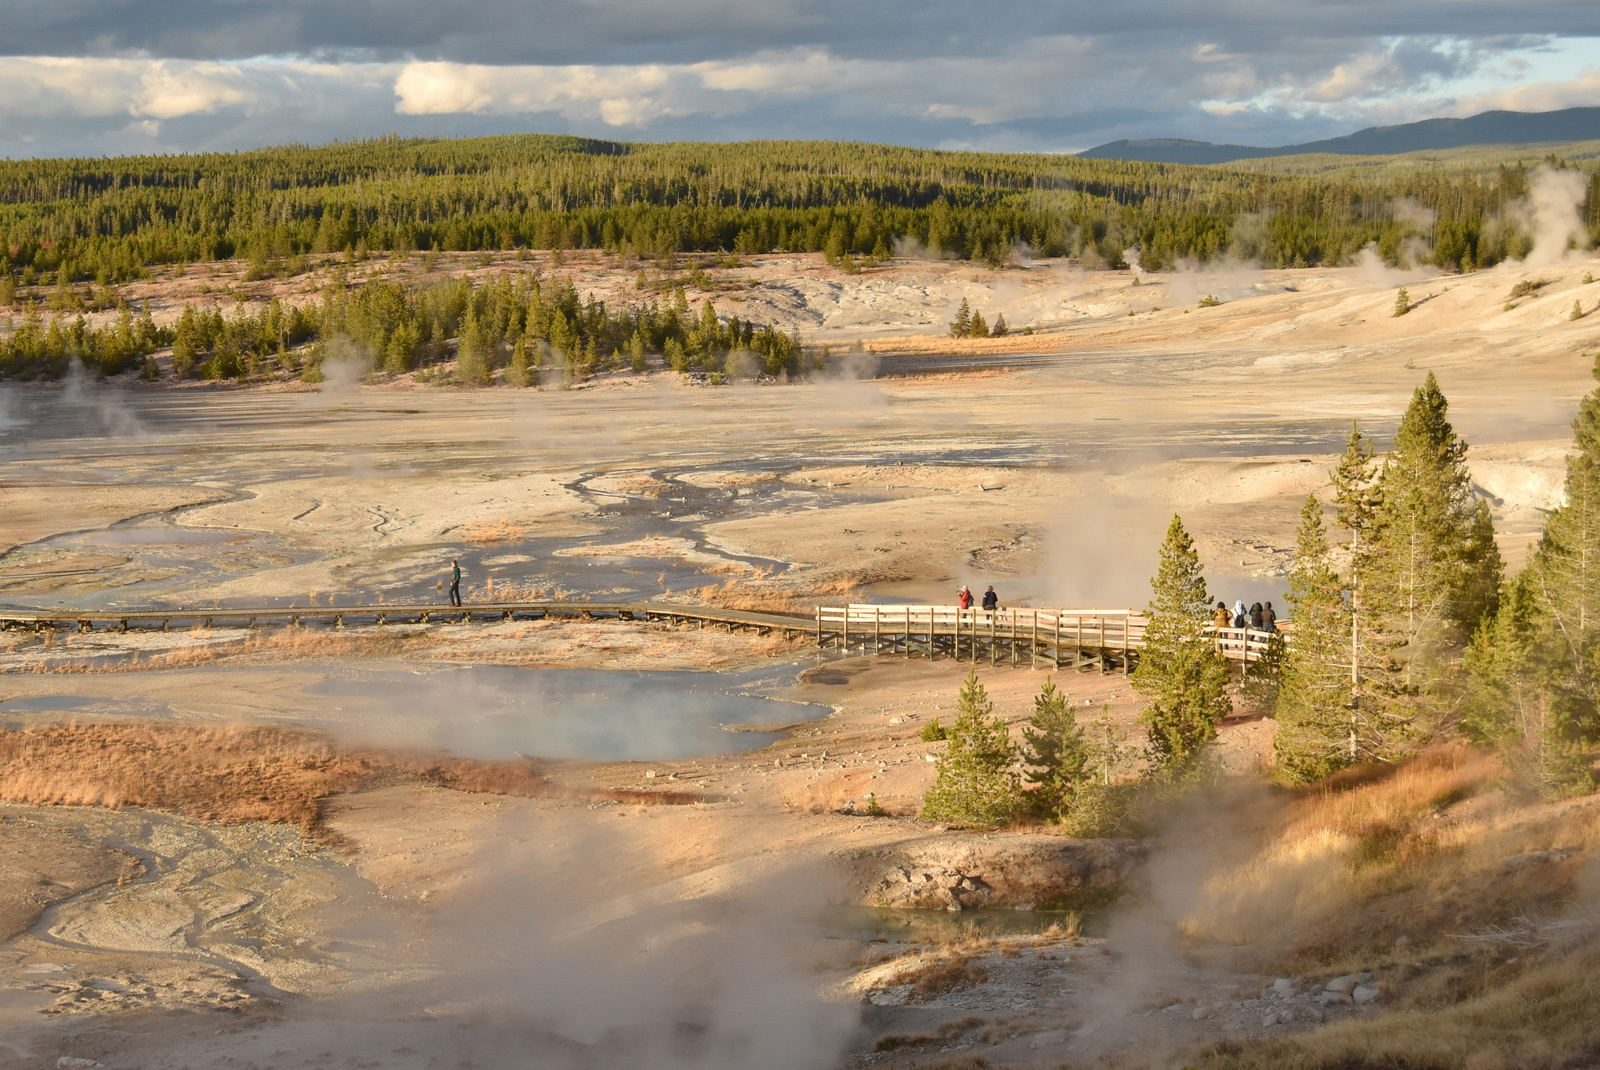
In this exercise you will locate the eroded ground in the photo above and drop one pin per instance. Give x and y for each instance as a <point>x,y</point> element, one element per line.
<point>423,924</point>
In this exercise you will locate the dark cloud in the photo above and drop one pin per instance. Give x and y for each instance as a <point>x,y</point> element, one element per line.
<point>113,76</point>
<point>610,31</point>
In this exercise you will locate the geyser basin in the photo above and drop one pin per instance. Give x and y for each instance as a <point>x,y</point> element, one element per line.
<point>496,711</point>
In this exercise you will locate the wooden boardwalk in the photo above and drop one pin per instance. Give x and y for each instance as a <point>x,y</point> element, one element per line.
<point>1106,640</point>
<point>123,620</point>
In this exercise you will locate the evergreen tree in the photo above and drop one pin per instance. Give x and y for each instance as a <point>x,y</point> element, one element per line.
<point>1402,302</point>
<point>1054,754</point>
<point>1179,666</point>
<point>1319,729</point>
<point>978,328</point>
<point>961,326</point>
<point>974,783</point>
<point>1428,574</point>
<point>519,372</point>
<point>472,358</point>
<point>999,330</point>
<point>1514,701</point>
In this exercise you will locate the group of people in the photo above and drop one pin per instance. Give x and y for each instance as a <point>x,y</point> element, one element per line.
<point>1259,617</point>
<point>991,601</point>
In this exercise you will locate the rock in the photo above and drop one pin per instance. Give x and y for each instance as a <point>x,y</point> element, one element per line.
<point>1269,1021</point>
<point>967,870</point>
<point>1328,996</point>
<point>73,1060</point>
<point>1284,987</point>
<point>1200,1012</point>
<point>649,774</point>
<point>1348,982</point>
<point>1367,993</point>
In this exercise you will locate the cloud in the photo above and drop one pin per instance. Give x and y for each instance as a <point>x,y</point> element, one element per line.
<point>617,96</point>
<point>137,75</point>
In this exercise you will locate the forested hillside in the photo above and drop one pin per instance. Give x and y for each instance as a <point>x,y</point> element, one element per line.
<point>107,219</point>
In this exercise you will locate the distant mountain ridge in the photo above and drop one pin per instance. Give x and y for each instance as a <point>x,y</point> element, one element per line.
<point>1486,128</point>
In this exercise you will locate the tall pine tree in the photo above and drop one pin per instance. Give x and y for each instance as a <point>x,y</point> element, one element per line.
<point>1320,729</point>
<point>1533,671</point>
<point>1179,666</point>
<point>1428,575</point>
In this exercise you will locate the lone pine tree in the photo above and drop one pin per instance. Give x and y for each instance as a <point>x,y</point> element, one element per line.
<point>1179,666</point>
<point>974,782</point>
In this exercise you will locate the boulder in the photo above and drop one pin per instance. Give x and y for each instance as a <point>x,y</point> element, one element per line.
<point>1368,993</point>
<point>1024,871</point>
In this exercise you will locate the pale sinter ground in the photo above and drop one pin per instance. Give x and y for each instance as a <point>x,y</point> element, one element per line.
<point>1052,480</point>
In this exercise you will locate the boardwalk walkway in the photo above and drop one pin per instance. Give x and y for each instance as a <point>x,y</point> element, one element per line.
<point>1107,640</point>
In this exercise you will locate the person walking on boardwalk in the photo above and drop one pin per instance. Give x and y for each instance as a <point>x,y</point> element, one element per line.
<point>455,583</point>
<point>964,597</point>
<point>991,601</point>
<point>1221,617</point>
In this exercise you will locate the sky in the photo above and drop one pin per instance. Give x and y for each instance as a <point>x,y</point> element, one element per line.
<point>114,77</point>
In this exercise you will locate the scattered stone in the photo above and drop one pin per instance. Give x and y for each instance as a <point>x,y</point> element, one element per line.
<point>1284,987</point>
<point>1269,1021</point>
<point>1348,982</point>
<point>1200,1012</point>
<point>649,774</point>
<point>73,1060</point>
<point>1366,993</point>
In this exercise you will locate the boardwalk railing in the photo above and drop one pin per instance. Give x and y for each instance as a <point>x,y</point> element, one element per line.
<point>1105,639</point>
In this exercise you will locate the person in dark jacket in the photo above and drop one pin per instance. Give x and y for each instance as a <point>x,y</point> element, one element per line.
<point>1256,611</point>
<point>991,601</point>
<point>455,583</point>
<point>1269,619</point>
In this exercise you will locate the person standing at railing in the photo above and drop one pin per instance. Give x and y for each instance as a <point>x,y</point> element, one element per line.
<point>1222,618</point>
<point>1269,619</point>
<point>1256,620</point>
<point>964,597</point>
<point>1241,616</point>
<point>991,601</point>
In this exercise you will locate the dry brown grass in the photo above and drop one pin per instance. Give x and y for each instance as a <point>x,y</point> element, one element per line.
<point>1395,857</point>
<point>233,773</point>
<point>759,597</point>
<point>1539,1014</point>
<point>218,773</point>
<point>485,532</point>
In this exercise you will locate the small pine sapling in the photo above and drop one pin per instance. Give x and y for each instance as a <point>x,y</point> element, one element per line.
<point>974,783</point>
